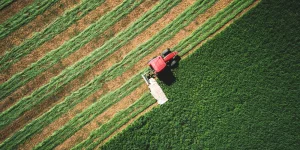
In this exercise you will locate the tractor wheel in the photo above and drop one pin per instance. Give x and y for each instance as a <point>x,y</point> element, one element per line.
<point>165,52</point>
<point>173,63</point>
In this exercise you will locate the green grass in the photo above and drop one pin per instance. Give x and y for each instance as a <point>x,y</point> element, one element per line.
<point>24,16</point>
<point>56,27</point>
<point>69,47</point>
<point>120,119</point>
<point>5,3</point>
<point>238,91</point>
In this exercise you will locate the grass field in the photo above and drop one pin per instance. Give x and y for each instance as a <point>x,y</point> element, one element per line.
<point>238,91</point>
<point>71,70</point>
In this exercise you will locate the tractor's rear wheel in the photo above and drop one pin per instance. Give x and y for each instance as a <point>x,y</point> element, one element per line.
<point>173,63</point>
<point>165,52</point>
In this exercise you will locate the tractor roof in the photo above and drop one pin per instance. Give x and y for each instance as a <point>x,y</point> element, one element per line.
<point>158,64</point>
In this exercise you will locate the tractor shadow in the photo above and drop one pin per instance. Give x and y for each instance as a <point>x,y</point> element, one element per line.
<point>167,76</point>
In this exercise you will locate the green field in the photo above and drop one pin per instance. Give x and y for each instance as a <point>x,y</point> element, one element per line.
<point>238,91</point>
<point>75,82</point>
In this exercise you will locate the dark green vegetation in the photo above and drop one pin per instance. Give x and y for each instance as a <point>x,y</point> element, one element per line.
<point>238,91</point>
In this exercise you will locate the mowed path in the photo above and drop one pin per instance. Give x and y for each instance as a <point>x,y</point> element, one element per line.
<point>98,69</point>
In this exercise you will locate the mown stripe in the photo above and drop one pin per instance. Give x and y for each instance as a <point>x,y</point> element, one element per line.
<point>69,74</point>
<point>120,119</point>
<point>5,3</point>
<point>158,11</point>
<point>39,38</point>
<point>25,16</point>
<point>75,124</point>
<point>44,92</point>
<point>67,48</point>
<point>83,118</point>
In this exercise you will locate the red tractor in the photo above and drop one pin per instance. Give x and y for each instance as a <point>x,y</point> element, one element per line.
<point>167,59</point>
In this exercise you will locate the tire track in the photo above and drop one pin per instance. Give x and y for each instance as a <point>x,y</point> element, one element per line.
<point>58,40</point>
<point>36,25</point>
<point>98,69</point>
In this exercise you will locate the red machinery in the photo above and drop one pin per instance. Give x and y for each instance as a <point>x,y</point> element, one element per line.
<point>159,63</point>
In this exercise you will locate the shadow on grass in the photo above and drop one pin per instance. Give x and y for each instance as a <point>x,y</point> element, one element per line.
<point>167,76</point>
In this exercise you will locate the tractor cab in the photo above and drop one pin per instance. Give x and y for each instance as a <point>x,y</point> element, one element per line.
<point>159,63</point>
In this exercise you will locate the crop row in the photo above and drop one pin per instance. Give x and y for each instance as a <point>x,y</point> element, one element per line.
<point>185,45</point>
<point>24,16</point>
<point>121,118</point>
<point>5,3</point>
<point>58,26</point>
<point>180,22</point>
<point>67,48</point>
<point>75,98</point>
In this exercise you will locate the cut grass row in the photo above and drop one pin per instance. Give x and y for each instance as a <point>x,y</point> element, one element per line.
<point>58,26</point>
<point>185,45</point>
<point>121,118</point>
<point>71,127</point>
<point>79,120</point>
<point>69,74</point>
<point>212,25</point>
<point>5,3</point>
<point>69,102</point>
<point>67,48</point>
<point>25,16</point>
<point>93,111</point>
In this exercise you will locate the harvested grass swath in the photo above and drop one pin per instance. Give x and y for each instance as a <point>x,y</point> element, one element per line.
<point>121,118</point>
<point>25,16</point>
<point>39,38</point>
<point>67,48</point>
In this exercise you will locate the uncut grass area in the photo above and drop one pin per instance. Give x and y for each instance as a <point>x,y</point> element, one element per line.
<point>240,90</point>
